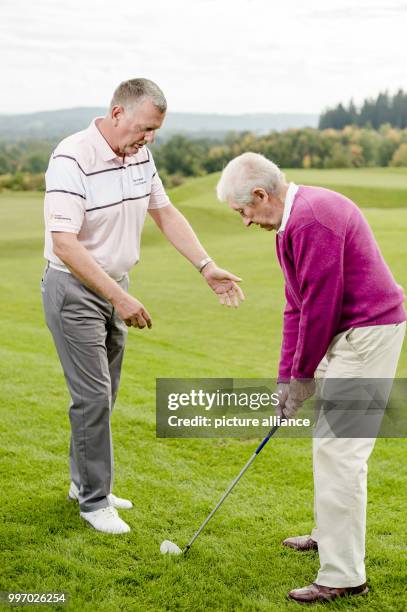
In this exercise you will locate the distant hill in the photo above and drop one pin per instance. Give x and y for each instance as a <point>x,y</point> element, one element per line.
<point>56,124</point>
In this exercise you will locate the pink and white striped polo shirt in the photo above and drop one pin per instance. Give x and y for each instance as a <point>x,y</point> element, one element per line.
<point>95,194</point>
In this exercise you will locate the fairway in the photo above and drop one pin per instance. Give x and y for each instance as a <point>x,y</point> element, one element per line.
<point>238,563</point>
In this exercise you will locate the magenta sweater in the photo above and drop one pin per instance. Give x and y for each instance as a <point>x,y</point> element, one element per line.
<point>335,278</point>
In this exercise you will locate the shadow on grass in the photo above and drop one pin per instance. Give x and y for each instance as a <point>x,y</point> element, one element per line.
<point>49,514</point>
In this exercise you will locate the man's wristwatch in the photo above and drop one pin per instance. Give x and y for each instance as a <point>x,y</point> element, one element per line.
<point>203,263</point>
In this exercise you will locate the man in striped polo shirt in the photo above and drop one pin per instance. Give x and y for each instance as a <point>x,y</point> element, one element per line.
<point>100,184</point>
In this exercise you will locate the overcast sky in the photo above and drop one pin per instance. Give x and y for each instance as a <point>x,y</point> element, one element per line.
<point>217,56</point>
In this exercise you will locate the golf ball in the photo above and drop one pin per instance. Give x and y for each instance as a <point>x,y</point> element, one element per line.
<point>168,547</point>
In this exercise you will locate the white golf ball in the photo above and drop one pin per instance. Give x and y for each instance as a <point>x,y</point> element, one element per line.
<point>168,547</point>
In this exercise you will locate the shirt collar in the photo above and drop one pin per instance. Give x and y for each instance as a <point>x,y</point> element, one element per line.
<point>100,143</point>
<point>288,203</point>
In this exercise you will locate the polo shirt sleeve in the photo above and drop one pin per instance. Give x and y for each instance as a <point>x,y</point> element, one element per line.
<point>158,197</point>
<point>65,200</point>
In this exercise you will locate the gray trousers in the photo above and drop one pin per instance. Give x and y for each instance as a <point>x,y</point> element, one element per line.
<point>90,339</point>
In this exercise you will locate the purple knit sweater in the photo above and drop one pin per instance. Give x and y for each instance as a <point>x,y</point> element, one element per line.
<point>335,278</point>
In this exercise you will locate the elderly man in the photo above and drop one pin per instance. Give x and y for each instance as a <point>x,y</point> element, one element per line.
<point>344,318</point>
<point>100,184</point>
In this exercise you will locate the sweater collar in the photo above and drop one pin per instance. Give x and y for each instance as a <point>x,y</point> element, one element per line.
<point>288,203</point>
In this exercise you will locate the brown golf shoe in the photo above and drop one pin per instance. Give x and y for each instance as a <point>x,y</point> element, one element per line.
<point>301,543</point>
<point>315,593</point>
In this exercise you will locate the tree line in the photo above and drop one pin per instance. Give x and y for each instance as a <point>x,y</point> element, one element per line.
<point>373,113</point>
<point>22,164</point>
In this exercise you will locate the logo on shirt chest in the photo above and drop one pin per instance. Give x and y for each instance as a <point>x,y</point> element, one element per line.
<point>139,180</point>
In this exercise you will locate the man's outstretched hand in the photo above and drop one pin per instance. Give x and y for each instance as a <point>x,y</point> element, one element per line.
<point>224,284</point>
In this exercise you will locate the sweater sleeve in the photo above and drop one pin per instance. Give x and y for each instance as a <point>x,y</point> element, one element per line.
<point>290,338</point>
<point>318,259</point>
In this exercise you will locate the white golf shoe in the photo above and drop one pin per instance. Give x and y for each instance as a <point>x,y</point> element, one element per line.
<point>117,502</point>
<point>106,520</point>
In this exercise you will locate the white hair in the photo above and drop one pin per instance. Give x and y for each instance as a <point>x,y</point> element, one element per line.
<point>246,172</point>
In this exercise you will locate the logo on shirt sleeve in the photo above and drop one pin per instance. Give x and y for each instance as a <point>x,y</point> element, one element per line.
<point>59,217</point>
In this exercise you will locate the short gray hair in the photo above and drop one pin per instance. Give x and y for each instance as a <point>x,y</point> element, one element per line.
<point>130,93</point>
<point>246,172</point>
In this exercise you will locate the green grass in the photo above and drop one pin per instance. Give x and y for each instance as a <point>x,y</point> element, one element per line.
<point>369,187</point>
<point>238,563</point>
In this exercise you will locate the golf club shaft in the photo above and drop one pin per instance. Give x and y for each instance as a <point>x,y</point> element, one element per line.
<point>231,486</point>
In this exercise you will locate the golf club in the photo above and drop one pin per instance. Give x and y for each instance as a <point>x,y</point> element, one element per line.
<point>169,547</point>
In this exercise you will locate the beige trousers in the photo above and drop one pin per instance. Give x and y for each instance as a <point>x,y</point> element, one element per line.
<point>340,464</point>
